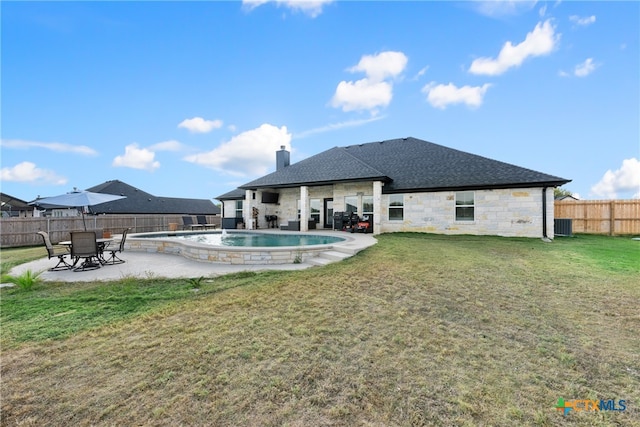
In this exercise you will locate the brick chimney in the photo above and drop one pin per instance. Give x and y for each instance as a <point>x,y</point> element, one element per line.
<point>282,158</point>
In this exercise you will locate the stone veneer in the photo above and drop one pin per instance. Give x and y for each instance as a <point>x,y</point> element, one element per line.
<point>501,212</point>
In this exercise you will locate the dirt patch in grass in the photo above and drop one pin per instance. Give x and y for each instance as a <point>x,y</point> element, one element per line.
<point>417,330</point>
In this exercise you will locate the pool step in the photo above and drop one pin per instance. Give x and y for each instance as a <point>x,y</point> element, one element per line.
<point>329,256</point>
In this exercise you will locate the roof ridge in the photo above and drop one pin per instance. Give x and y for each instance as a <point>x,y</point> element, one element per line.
<point>359,160</point>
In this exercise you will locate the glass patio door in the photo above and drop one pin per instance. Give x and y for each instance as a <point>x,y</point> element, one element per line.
<point>328,213</point>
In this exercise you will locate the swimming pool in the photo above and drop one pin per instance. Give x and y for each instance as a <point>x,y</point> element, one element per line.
<point>248,239</point>
<point>242,247</point>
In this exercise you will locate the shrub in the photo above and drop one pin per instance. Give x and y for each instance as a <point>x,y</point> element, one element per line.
<point>25,281</point>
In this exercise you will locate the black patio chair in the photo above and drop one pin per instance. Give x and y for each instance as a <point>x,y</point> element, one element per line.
<point>117,247</point>
<point>202,220</point>
<point>84,245</point>
<point>187,221</point>
<point>55,251</point>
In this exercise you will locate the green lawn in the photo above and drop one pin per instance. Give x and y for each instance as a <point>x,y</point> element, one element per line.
<point>416,330</point>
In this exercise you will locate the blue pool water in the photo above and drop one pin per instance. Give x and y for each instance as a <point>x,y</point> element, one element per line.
<point>249,239</point>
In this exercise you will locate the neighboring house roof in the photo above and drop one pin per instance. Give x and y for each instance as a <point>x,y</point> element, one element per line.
<point>405,164</point>
<point>8,202</point>
<point>237,194</point>
<point>566,197</point>
<point>140,202</point>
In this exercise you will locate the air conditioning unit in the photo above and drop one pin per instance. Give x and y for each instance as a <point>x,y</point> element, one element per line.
<point>563,227</point>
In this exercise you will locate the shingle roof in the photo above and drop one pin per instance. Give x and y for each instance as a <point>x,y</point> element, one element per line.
<point>329,166</point>
<point>141,202</point>
<point>237,194</point>
<point>405,164</point>
<point>10,202</point>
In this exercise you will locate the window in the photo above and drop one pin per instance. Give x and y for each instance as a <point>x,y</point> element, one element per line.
<point>351,204</point>
<point>464,206</point>
<point>367,205</point>
<point>239,204</point>
<point>315,206</point>
<point>396,207</point>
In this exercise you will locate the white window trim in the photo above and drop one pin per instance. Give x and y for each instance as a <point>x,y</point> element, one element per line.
<point>456,206</point>
<point>389,207</point>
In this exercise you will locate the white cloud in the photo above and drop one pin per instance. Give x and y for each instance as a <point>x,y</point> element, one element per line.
<point>200,125</point>
<point>541,41</point>
<point>625,179</point>
<point>585,68</point>
<point>53,146</point>
<point>373,91</point>
<point>381,66</point>
<point>28,172</point>
<point>362,95</point>
<point>336,126</point>
<point>543,11</point>
<point>441,96</point>
<point>137,158</point>
<point>171,145</point>
<point>249,153</point>
<point>421,73</point>
<point>313,8</point>
<point>500,8</point>
<point>582,21</point>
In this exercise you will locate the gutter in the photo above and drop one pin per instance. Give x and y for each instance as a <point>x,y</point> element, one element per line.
<point>544,215</point>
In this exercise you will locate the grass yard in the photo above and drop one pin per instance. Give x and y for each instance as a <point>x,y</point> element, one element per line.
<point>416,330</point>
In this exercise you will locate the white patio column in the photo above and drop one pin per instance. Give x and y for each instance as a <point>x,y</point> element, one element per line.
<point>304,208</point>
<point>377,206</point>
<point>246,209</point>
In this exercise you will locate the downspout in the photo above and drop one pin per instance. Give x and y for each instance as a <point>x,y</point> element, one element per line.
<point>544,214</point>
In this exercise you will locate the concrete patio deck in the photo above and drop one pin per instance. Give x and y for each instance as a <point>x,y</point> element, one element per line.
<point>156,265</point>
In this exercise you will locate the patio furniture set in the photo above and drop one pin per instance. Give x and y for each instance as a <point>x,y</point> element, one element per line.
<point>88,246</point>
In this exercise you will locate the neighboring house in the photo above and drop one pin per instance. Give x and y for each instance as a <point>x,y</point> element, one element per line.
<point>140,202</point>
<point>404,184</point>
<point>566,197</point>
<point>14,207</point>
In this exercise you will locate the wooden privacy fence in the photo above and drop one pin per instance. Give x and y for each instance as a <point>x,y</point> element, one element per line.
<point>15,232</point>
<point>612,217</point>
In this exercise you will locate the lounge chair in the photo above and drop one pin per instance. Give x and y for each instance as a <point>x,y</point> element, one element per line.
<point>202,220</point>
<point>55,251</point>
<point>187,221</point>
<point>84,245</point>
<point>117,247</point>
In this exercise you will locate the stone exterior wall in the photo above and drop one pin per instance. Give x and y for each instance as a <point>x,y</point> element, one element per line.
<point>500,212</point>
<point>287,207</point>
<point>341,191</point>
<point>506,212</point>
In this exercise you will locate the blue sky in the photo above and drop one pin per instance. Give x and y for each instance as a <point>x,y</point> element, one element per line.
<point>192,99</point>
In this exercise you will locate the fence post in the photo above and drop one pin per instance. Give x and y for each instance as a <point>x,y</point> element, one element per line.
<point>612,218</point>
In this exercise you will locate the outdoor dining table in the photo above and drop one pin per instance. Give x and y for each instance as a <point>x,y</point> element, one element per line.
<point>101,242</point>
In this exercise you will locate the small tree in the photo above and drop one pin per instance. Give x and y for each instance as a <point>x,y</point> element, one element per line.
<point>561,192</point>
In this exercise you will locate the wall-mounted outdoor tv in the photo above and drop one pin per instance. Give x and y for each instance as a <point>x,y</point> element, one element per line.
<point>269,197</point>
